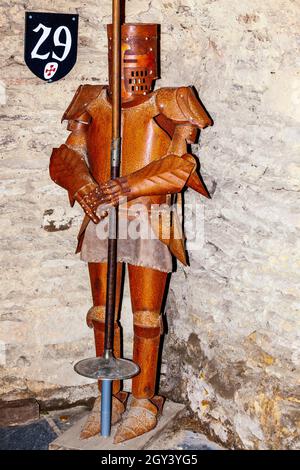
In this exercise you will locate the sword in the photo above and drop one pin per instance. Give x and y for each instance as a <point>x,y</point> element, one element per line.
<point>107,368</point>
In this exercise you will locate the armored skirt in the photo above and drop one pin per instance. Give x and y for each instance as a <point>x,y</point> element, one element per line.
<point>138,245</point>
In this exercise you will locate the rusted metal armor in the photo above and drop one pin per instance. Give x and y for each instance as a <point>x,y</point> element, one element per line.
<point>157,128</point>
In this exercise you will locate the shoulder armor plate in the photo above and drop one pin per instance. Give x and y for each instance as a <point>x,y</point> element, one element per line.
<point>182,105</point>
<point>82,99</point>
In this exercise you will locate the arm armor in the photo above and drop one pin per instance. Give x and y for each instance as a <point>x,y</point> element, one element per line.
<point>181,116</point>
<point>165,176</point>
<point>68,166</point>
<point>182,106</point>
<point>69,170</point>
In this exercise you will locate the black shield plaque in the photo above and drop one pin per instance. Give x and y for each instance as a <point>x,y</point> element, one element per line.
<point>50,44</point>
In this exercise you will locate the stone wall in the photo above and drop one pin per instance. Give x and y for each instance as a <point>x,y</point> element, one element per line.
<point>232,343</point>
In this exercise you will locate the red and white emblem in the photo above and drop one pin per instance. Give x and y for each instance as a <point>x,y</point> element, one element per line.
<point>50,70</point>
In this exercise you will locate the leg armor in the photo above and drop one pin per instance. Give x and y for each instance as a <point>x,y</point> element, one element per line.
<point>147,288</point>
<point>96,320</point>
<point>96,315</point>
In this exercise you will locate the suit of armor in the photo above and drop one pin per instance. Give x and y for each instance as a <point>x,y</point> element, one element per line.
<point>157,127</point>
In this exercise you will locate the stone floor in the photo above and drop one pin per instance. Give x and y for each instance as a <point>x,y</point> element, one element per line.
<point>40,434</point>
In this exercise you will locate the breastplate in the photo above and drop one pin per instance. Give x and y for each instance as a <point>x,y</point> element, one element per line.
<point>142,139</point>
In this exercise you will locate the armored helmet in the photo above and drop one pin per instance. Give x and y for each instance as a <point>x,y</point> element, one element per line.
<point>140,64</point>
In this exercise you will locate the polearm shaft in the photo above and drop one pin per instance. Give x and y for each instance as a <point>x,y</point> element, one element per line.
<point>115,170</point>
<point>113,217</point>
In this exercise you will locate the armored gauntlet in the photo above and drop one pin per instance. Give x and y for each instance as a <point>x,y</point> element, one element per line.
<point>69,170</point>
<point>166,176</point>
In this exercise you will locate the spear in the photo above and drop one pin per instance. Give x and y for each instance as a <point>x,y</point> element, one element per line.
<point>107,368</point>
<point>113,216</point>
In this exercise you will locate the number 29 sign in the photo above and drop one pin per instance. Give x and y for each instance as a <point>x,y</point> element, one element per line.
<point>50,44</point>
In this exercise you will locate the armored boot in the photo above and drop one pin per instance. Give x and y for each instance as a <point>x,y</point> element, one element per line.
<point>92,427</point>
<point>144,406</point>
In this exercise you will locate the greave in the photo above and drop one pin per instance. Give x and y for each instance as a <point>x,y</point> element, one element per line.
<point>96,320</point>
<point>146,343</point>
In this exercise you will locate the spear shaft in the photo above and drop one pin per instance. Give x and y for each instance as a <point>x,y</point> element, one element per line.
<point>115,170</point>
<point>113,217</point>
